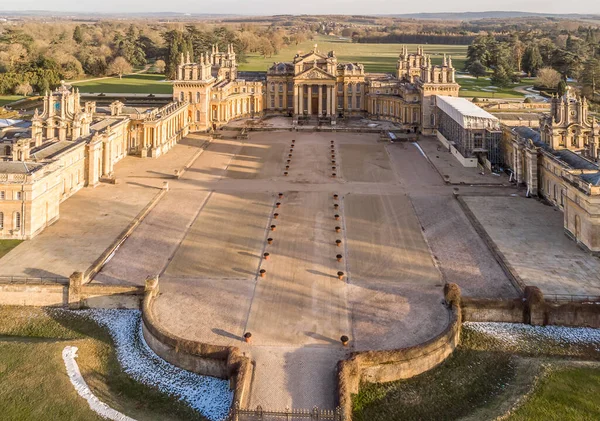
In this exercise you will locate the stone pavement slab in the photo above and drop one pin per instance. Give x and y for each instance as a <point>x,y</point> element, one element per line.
<point>531,237</point>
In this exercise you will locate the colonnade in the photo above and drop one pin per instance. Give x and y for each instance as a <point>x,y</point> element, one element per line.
<point>323,91</point>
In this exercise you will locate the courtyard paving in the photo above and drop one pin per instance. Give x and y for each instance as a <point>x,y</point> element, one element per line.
<point>403,236</point>
<point>91,220</point>
<point>530,235</point>
<point>452,171</point>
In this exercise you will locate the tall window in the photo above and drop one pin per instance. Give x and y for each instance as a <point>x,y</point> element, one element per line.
<point>18,195</point>
<point>358,102</point>
<point>2,195</point>
<point>197,96</point>
<point>1,221</point>
<point>198,115</point>
<point>181,96</point>
<point>17,224</point>
<point>280,87</point>
<point>349,88</point>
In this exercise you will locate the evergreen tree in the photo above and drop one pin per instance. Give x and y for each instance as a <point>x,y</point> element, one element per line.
<point>78,35</point>
<point>532,60</point>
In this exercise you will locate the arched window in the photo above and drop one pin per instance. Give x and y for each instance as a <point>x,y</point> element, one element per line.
<point>1,220</point>
<point>17,221</point>
<point>197,96</point>
<point>198,115</point>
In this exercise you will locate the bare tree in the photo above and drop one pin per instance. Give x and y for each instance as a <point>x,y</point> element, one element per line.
<point>548,77</point>
<point>24,89</point>
<point>160,66</point>
<point>119,66</point>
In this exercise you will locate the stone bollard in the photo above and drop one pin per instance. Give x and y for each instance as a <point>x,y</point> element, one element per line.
<point>340,275</point>
<point>333,175</point>
<point>263,273</point>
<point>293,140</point>
<point>278,205</point>
<point>269,240</point>
<point>335,197</point>
<point>165,185</point>
<point>280,195</point>
<point>337,217</point>
<point>339,257</point>
<point>338,229</point>
<point>273,227</point>
<point>275,215</point>
<point>74,292</point>
<point>338,243</point>
<point>266,256</point>
<point>344,339</point>
<point>247,337</point>
<point>335,206</point>
<point>285,174</point>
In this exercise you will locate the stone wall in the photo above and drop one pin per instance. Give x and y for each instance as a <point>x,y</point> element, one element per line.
<point>202,358</point>
<point>73,294</point>
<point>492,310</point>
<point>404,363</point>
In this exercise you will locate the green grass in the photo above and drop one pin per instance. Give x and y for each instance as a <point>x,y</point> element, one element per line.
<point>8,245</point>
<point>445,393</point>
<point>485,378</point>
<point>375,57</point>
<point>483,88</point>
<point>564,394</point>
<point>132,84</point>
<point>7,99</point>
<point>33,380</point>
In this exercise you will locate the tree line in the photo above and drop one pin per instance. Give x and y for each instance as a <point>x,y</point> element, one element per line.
<point>555,58</point>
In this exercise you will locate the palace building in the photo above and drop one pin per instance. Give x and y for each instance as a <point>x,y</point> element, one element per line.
<point>69,145</point>
<point>559,163</point>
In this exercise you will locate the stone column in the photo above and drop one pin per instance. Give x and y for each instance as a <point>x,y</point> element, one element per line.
<point>309,99</point>
<point>345,105</point>
<point>296,99</point>
<point>328,100</point>
<point>302,99</point>
<point>320,108</point>
<point>333,101</point>
<point>105,159</point>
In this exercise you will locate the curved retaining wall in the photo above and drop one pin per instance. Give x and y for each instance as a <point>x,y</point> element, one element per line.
<point>205,359</point>
<point>386,366</point>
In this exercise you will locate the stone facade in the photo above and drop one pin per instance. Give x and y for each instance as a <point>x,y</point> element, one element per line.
<point>314,84</point>
<point>559,164</point>
<point>70,146</point>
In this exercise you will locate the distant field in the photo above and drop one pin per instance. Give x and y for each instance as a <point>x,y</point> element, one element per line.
<point>375,57</point>
<point>133,84</point>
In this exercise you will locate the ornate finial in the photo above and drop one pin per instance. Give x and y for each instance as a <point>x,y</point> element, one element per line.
<point>36,113</point>
<point>315,48</point>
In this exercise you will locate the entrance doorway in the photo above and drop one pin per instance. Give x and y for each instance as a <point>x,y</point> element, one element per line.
<point>314,105</point>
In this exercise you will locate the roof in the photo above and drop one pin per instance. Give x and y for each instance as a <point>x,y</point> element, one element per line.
<point>592,178</point>
<point>18,167</point>
<point>464,112</point>
<point>50,150</point>
<point>574,160</point>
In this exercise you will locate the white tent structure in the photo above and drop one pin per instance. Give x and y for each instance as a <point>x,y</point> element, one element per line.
<point>467,114</point>
<point>4,122</point>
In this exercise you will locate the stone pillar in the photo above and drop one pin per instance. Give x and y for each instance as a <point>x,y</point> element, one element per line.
<point>345,104</point>
<point>333,103</point>
<point>301,99</point>
<point>309,99</point>
<point>328,100</point>
<point>105,158</point>
<point>320,107</point>
<point>74,294</point>
<point>296,99</point>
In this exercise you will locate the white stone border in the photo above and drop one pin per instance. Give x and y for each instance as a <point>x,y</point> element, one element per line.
<point>69,354</point>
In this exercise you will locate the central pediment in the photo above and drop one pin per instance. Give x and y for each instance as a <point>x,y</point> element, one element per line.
<point>315,73</point>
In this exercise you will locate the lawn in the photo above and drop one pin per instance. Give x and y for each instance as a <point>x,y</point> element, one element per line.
<point>34,383</point>
<point>483,88</point>
<point>131,84</point>
<point>487,376</point>
<point>7,99</point>
<point>8,245</point>
<point>375,57</point>
<point>564,394</point>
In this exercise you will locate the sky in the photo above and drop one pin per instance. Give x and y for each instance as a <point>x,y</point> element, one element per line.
<point>270,7</point>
